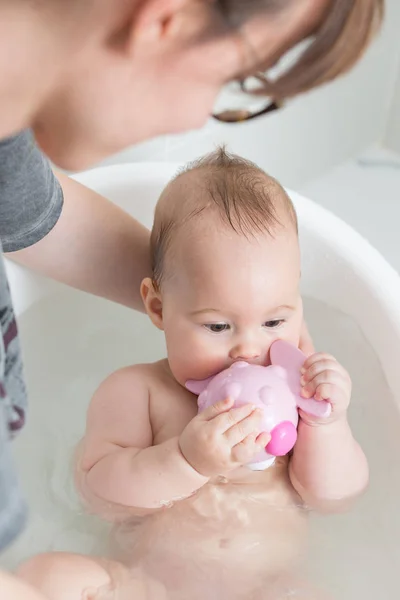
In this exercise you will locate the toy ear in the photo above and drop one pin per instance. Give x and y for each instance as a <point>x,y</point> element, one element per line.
<point>197,386</point>
<point>292,359</point>
<point>286,355</point>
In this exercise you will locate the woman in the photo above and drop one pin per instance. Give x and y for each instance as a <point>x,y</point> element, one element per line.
<point>90,77</point>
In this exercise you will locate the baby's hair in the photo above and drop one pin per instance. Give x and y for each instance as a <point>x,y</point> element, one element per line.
<point>245,198</point>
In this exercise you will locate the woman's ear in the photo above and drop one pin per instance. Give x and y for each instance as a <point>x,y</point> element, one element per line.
<point>152,20</point>
<point>144,22</point>
<point>152,302</point>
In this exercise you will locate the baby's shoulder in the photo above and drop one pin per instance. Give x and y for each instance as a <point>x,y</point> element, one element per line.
<point>124,388</point>
<point>142,376</point>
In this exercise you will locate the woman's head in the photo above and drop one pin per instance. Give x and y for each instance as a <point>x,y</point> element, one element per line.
<point>226,267</point>
<point>94,76</point>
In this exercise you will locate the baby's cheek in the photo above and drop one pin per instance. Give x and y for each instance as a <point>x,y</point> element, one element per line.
<point>293,331</point>
<point>291,335</point>
<point>195,358</point>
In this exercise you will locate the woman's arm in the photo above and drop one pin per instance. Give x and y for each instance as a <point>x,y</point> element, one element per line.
<point>95,246</point>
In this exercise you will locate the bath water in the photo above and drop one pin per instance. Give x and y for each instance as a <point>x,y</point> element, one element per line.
<point>72,341</point>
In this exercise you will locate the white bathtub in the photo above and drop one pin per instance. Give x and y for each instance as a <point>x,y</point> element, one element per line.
<point>71,341</point>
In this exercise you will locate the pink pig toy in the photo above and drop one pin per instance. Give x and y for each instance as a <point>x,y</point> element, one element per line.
<point>276,389</point>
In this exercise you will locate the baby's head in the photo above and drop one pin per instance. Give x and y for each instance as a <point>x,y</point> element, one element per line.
<point>226,266</point>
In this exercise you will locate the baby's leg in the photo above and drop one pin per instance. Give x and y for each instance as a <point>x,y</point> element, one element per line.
<point>62,576</point>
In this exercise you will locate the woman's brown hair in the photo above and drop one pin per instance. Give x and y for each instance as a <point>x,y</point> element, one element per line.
<point>334,48</point>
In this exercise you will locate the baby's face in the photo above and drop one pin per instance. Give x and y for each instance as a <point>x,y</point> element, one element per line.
<point>227,298</point>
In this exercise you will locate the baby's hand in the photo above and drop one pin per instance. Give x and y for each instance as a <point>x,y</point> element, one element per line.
<point>325,379</point>
<point>222,438</point>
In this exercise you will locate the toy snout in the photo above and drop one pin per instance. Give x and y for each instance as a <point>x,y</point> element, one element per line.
<point>283,439</point>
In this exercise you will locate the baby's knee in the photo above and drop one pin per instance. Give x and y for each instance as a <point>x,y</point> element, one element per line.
<point>65,576</point>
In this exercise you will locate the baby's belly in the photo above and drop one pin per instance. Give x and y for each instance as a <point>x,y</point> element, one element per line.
<point>230,533</point>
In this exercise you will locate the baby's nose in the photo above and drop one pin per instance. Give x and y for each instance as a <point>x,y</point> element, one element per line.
<point>245,352</point>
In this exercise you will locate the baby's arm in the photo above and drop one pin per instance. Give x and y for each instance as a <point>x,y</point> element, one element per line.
<point>328,467</point>
<point>118,462</point>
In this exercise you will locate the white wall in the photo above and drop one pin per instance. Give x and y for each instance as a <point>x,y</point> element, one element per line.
<point>314,132</point>
<point>392,134</point>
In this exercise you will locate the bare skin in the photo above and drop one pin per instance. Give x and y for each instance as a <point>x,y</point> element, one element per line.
<point>230,526</point>
<point>174,482</point>
<point>136,54</point>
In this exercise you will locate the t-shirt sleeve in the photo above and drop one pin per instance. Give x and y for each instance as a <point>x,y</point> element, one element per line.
<point>31,197</point>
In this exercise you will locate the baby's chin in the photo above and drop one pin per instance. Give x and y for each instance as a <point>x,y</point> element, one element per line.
<point>195,372</point>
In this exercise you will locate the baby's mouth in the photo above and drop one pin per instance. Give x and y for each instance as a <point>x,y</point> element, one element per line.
<point>253,361</point>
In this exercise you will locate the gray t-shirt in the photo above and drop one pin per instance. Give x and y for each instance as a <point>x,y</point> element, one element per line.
<point>30,205</point>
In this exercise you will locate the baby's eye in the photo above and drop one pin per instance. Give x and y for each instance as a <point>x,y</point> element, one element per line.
<point>273,324</point>
<point>217,327</point>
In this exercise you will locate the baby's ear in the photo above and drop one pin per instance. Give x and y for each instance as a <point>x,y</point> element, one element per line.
<point>152,301</point>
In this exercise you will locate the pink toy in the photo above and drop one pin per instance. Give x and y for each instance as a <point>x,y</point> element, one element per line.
<point>275,388</point>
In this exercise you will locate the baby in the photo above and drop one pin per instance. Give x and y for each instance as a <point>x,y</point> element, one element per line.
<point>191,519</point>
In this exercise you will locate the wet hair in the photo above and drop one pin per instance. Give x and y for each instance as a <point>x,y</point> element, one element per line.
<point>244,197</point>
<point>337,44</point>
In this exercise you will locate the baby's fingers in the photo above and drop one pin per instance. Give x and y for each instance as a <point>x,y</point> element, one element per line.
<point>243,452</point>
<point>229,419</point>
<point>216,409</point>
<point>317,357</point>
<point>327,363</point>
<point>263,440</point>
<point>327,385</point>
<point>248,425</point>
<point>326,376</point>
